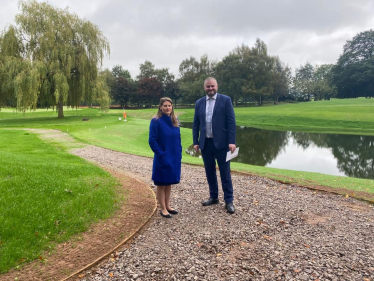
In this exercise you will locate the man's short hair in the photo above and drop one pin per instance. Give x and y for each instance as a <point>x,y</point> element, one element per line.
<point>209,79</point>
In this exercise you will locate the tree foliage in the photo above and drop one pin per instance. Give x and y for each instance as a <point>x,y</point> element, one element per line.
<point>304,80</point>
<point>149,91</point>
<point>354,71</point>
<point>123,87</point>
<point>52,55</point>
<point>252,74</point>
<point>282,79</point>
<point>192,74</point>
<point>323,87</point>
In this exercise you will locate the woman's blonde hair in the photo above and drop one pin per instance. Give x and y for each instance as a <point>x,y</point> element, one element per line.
<point>174,118</point>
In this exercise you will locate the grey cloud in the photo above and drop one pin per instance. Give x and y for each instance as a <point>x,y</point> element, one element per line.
<point>166,32</point>
<point>210,18</point>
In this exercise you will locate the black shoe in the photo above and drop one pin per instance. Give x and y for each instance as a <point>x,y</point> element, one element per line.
<point>168,216</point>
<point>230,208</point>
<point>210,201</point>
<point>174,212</point>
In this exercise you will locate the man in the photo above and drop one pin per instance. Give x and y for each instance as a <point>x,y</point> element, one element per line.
<point>214,133</point>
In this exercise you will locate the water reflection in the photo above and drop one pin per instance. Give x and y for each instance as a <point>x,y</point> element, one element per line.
<point>343,155</point>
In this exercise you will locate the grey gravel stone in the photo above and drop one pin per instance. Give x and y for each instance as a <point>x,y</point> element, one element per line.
<point>278,232</point>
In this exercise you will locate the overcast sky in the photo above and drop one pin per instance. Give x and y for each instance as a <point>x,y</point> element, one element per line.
<point>166,32</point>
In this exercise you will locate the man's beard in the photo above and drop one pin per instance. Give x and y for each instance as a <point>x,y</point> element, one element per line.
<point>211,94</point>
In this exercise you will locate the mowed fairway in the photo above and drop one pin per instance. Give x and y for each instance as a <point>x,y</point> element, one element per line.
<point>349,116</point>
<point>47,195</point>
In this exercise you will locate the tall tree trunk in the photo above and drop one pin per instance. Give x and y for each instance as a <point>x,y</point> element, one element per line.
<point>60,108</point>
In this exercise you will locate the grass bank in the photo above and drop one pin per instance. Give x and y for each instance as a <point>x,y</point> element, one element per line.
<point>47,195</point>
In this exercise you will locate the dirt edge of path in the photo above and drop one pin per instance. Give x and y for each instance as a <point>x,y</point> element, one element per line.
<point>68,260</point>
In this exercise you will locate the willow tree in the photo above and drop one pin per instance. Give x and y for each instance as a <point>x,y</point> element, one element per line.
<point>54,58</point>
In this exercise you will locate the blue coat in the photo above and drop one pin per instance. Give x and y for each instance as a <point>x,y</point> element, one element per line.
<point>165,142</point>
<point>223,123</point>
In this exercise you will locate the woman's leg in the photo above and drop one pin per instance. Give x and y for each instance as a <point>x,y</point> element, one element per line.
<point>161,196</point>
<point>167,197</point>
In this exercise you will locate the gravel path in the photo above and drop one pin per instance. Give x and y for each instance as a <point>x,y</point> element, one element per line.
<point>279,232</point>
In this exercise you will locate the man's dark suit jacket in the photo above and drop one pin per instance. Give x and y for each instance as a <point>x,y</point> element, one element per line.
<point>223,123</point>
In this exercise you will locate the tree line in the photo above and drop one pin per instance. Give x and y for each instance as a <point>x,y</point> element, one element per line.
<point>249,75</point>
<point>52,58</point>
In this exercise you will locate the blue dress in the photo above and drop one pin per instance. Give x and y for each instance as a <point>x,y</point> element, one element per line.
<point>165,142</point>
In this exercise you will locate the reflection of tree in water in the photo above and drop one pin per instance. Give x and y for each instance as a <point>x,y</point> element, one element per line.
<point>353,153</point>
<point>259,147</point>
<point>256,146</point>
<point>302,139</point>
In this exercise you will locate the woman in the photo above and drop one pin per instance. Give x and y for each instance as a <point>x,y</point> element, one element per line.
<point>165,142</point>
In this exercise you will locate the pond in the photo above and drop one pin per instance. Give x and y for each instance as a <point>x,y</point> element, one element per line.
<point>333,154</point>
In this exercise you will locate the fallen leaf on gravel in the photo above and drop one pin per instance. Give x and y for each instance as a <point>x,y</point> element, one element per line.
<point>219,254</point>
<point>81,275</point>
<point>282,222</point>
<point>346,196</point>
<point>111,274</point>
<point>199,245</point>
<point>306,245</point>
<point>297,270</point>
<point>268,237</point>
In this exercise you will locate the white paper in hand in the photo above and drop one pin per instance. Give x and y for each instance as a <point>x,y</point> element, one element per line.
<point>230,155</point>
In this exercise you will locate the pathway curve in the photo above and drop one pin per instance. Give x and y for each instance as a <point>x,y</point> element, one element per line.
<point>279,232</point>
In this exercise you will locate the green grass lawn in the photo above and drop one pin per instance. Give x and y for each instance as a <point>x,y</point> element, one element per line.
<point>47,195</point>
<point>349,116</point>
